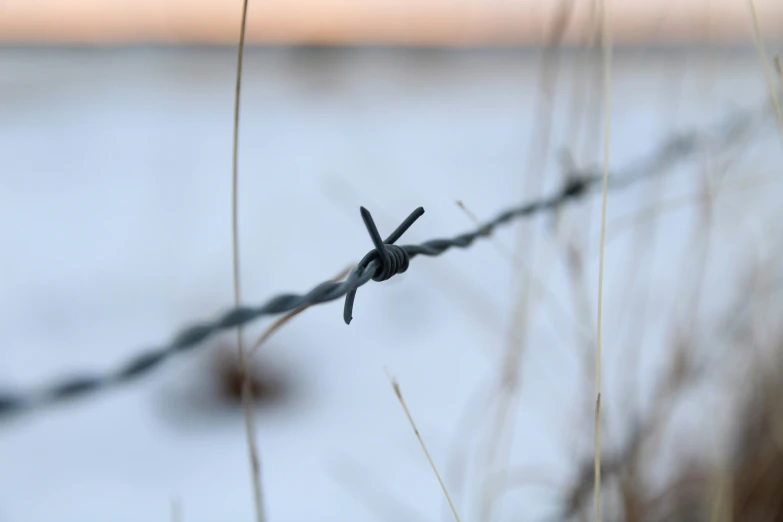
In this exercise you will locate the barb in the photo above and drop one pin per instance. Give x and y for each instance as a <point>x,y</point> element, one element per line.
<point>393,259</point>
<point>380,264</point>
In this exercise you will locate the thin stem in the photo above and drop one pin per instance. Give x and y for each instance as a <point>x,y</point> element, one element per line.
<point>247,397</point>
<point>607,46</point>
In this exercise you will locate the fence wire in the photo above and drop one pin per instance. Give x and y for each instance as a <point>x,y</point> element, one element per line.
<point>381,263</point>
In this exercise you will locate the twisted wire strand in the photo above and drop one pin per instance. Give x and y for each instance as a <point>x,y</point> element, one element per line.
<point>380,264</point>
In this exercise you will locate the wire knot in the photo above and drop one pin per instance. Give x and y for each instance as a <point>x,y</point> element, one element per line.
<point>396,263</point>
<point>386,259</point>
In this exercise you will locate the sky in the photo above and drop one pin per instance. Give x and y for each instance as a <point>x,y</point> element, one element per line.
<point>375,21</point>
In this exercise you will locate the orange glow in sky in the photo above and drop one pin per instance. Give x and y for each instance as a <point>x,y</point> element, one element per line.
<point>374,21</point>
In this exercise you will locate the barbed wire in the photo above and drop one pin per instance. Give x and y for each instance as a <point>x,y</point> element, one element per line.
<point>381,263</point>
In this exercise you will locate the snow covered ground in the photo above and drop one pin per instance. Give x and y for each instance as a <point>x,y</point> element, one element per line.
<point>115,225</point>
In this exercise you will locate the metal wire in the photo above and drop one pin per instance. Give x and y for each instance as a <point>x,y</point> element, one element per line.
<point>380,264</point>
